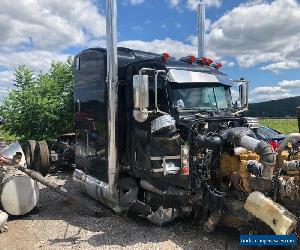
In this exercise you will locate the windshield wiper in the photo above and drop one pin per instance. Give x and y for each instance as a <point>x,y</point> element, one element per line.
<point>198,109</point>
<point>207,111</point>
<point>204,109</point>
<point>225,109</point>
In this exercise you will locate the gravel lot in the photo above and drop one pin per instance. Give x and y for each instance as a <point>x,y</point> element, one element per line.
<point>58,224</point>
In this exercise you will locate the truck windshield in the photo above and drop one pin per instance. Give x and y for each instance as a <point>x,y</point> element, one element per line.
<point>210,98</point>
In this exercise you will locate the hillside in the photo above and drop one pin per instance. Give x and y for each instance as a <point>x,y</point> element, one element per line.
<point>277,108</point>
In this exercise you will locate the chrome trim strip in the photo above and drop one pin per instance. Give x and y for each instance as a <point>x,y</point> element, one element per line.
<point>160,158</point>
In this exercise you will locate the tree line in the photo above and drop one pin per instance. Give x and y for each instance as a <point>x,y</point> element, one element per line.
<point>41,105</point>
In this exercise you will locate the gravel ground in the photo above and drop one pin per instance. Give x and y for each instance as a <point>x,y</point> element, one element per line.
<point>58,224</point>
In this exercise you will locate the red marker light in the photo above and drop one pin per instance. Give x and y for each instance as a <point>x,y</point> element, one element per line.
<point>218,65</point>
<point>209,62</point>
<point>165,57</point>
<point>203,60</point>
<point>185,170</point>
<point>192,59</point>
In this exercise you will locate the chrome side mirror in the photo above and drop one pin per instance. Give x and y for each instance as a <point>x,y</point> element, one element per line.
<point>140,97</point>
<point>141,91</point>
<point>244,94</point>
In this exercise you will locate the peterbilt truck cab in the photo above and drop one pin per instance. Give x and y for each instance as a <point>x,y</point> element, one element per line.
<point>183,148</point>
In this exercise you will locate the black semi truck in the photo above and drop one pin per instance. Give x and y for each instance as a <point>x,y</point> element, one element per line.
<point>183,148</point>
<point>160,137</point>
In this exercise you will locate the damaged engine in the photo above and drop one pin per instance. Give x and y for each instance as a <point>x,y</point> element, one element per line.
<point>234,173</point>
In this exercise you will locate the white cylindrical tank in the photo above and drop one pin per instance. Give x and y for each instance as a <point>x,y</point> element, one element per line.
<point>3,219</point>
<point>19,194</point>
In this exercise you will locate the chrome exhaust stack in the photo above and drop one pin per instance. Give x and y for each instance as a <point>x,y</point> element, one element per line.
<point>201,29</point>
<point>107,193</point>
<point>112,89</point>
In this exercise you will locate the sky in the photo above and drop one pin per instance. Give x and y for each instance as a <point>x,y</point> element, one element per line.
<point>255,39</point>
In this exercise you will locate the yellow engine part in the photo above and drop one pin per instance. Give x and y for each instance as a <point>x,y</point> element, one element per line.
<point>280,158</point>
<point>237,164</point>
<point>230,164</point>
<point>249,156</point>
<point>284,156</point>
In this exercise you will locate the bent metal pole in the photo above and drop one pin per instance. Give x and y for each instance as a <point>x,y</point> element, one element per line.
<point>112,91</point>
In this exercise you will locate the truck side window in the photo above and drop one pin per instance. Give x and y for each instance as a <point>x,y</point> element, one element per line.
<point>162,100</point>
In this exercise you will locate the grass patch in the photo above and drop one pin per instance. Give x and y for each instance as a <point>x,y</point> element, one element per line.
<point>285,126</point>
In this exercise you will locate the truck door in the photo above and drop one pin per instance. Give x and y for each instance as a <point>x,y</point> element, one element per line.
<point>90,116</point>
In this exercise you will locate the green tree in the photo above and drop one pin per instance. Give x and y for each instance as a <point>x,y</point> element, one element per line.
<point>41,107</point>
<point>23,77</point>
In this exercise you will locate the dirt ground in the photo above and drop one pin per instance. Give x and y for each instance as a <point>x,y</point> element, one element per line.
<point>58,224</point>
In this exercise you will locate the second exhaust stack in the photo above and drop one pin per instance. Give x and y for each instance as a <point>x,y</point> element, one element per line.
<point>201,29</point>
<point>112,91</point>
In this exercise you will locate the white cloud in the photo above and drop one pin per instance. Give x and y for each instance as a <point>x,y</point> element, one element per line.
<point>173,47</point>
<point>267,97</point>
<point>289,84</point>
<point>136,2</point>
<point>192,4</point>
<point>49,24</point>
<point>283,89</point>
<point>6,83</point>
<point>259,32</point>
<point>278,66</point>
<point>174,3</point>
<point>235,95</point>
<point>6,77</point>
<point>35,32</point>
<point>231,64</point>
<point>36,59</point>
<point>3,92</point>
<point>269,91</point>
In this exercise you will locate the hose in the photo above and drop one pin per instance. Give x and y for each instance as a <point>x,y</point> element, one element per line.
<point>243,137</point>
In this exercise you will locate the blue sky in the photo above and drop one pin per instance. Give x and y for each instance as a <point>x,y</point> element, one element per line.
<point>256,39</point>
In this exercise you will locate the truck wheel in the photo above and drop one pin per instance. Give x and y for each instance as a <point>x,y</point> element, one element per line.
<point>128,191</point>
<point>29,149</point>
<point>41,158</point>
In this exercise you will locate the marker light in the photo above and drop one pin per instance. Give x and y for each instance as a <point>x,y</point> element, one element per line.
<point>218,65</point>
<point>165,57</point>
<point>203,60</point>
<point>185,153</point>
<point>209,62</point>
<point>192,59</point>
<point>185,170</point>
<point>188,59</point>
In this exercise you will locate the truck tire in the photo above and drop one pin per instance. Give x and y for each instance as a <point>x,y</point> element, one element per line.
<point>29,149</point>
<point>41,158</point>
